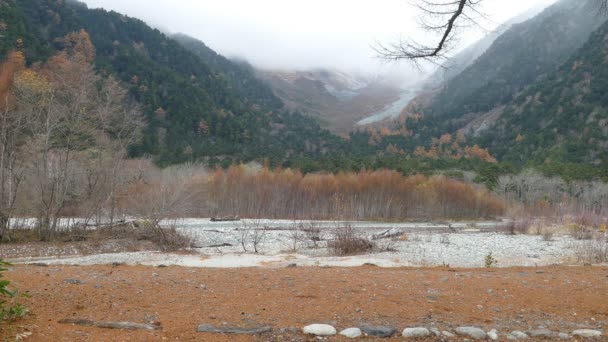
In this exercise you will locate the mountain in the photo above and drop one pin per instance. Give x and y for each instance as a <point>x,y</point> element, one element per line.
<point>515,60</point>
<point>562,117</point>
<point>336,99</point>
<point>198,105</point>
<point>457,64</point>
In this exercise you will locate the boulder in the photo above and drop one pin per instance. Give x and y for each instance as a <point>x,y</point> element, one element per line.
<point>319,330</point>
<point>587,333</point>
<point>416,332</point>
<point>472,332</point>
<point>351,332</point>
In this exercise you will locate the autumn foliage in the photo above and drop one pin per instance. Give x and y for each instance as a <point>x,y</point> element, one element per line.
<point>377,195</point>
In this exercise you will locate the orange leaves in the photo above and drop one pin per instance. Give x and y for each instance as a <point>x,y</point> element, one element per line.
<point>382,194</point>
<point>477,152</point>
<point>448,147</point>
<point>13,64</point>
<point>78,45</point>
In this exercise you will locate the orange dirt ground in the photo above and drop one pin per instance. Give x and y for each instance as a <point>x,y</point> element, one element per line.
<point>559,298</point>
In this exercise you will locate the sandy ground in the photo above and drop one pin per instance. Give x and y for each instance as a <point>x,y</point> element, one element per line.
<point>180,298</point>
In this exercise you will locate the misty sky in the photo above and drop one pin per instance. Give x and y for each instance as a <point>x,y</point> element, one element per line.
<point>297,34</point>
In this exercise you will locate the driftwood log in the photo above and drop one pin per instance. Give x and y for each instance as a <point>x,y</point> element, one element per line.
<point>111,325</point>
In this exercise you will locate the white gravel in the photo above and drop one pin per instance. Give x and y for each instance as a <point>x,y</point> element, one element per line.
<point>426,245</point>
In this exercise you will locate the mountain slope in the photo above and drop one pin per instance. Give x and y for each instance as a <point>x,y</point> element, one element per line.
<point>515,60</point>
<point>563,117</point>
<point>198,105</point>
<point>457,64</point>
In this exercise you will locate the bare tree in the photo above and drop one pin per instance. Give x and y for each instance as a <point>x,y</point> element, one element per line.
<point>441,17</point>
<point>445,19</point>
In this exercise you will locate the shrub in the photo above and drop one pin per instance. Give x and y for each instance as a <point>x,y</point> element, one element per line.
<point>9,309</point>
<point>346,241</point>
<point>592,251</point>
<point>515,227</point>
<point>490,261</point>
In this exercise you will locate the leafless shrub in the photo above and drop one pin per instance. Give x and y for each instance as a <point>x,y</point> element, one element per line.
<point>514,227</point>
<point>547,234</point>
<point>313,234</point>
<point>592,251</point>
<point>346,241</point>
<point>387,245</point>
<point>580,232</point>
<point>257,238</point>
<point>253,234</point>
<point>296,235</point>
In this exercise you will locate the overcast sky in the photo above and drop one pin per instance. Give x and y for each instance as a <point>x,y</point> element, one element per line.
<point>299,34</point>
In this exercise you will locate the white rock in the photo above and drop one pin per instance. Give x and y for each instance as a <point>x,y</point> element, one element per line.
<point>519,335</point>
<point>493,335</point>
<point>435,331</point>
<point>564,336</point>
<point>351,332</point>
<point>447,334</point>
<point>472,332</point>
<point>416,332</point>
<point>587,333</point>
<point>319,330</point>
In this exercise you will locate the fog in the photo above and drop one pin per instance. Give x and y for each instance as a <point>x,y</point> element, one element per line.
<point>299,35</point>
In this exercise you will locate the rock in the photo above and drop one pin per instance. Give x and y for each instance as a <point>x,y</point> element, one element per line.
<point>435,331</point>
<point>519,335</point>
<point>208,328</point>
<point>587,333</point>
<point>378,331</point>
<point>351,332</point>
<point>541,333</point>
<point>563,336</point>
<point>472,332</point>
<point>493,335</point>
<point>111,325</point>
<point>319,330</point>
<point>73,281</point>
<point>416,332</point>
<point>292,265</point>
<point>447,334</point>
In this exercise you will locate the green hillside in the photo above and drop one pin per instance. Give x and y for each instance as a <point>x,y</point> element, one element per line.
<point>198,104</point>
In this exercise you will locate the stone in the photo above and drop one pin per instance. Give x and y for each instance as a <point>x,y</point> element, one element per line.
<point>563,336</point>
<point>416,332</point>
<point>541,333</point>
<point>351,332</point>
<point>73,281</point>
<point>435,331</point>
<point>519,335</point>
<point>447,334</point>
<point>472,332</point>
<point>493,335</point>
<point>208,328</point>
<point>319,330</point>
<point>587,333</point>
<point>378,331</point>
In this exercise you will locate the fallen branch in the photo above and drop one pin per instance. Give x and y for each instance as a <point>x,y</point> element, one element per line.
<point>110,325</point>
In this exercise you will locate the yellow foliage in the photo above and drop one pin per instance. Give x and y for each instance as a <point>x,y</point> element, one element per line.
<point>32,81</point>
